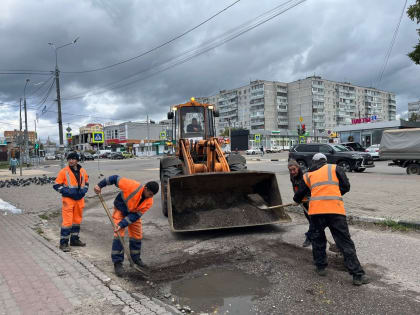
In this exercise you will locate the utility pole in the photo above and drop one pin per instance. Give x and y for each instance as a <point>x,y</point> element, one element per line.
<point>26,124</point>
<point>20,136</point>
<point>57,85</point>
<point>148,135</point>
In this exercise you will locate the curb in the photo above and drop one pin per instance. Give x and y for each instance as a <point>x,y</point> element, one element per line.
<point>354,219</point>
<point>135,303</point>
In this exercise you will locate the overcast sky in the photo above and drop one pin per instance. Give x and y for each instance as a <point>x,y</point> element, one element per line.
<point>339,40</point>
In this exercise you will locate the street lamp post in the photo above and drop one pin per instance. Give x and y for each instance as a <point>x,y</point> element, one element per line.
<point>26,123</point>
<point>57,85</point>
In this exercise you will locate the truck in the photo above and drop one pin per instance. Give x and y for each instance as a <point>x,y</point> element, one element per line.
<point>402,146</point>
<point>202,189</point>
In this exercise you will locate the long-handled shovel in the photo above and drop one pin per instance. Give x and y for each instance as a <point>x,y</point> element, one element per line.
<point>144,272</point>
<point>259,202</point>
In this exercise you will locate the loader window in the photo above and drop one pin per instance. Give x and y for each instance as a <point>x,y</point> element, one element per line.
<point>192,120</point>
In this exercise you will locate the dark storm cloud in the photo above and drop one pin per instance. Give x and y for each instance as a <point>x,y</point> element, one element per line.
<point>340,40</point>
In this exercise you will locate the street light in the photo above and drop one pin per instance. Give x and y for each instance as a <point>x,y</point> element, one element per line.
<point>26,123</point>
<point>57,85</point>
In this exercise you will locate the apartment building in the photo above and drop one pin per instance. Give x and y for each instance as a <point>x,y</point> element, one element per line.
<point>414,108</point>
<point>321,104</point>
<point>325,104</point>
<point>260,105</point>
<point>13,135</point>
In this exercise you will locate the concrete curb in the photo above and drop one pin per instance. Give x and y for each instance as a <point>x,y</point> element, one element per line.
<point>355,219</point>
<point>135,303</point>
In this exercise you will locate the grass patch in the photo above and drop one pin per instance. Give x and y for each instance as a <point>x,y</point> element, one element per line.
<point>4,166</point>
<point>393,225</point>
<point>48,216</point>
<point>39,230</point>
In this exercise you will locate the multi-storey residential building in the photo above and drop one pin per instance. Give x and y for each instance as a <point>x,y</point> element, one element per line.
<point>12,136</point>
<point>275,109</point>
<point>256,106</point>
<point>325,104</point>
<point>414,108</point>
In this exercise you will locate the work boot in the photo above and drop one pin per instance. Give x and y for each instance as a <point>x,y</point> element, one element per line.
<point>141,264</point>
<point>76,242</point>
<point>307,242</point>
<point>359,280</point>
<point>321,272</point>
<point>65,247</point>
<point>118,268</point>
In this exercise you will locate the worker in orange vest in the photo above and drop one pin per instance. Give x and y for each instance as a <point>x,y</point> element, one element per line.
<point>72,183</point>
<point>326,184</point>
<point>130,204</point>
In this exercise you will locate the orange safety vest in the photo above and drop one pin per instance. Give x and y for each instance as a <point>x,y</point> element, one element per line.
<point>325,191</point>
<point>131,192</point>
<point>66,178</point>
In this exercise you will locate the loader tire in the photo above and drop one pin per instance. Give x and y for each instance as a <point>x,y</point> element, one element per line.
<point>166,172</point>
<point>236,163</point>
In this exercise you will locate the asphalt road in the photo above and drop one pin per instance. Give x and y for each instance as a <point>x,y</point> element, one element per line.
<point>281,274</point>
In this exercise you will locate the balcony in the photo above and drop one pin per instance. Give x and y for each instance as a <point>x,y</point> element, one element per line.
<point>283,121</point>
<point>282,109</point>
<point>256,115</point>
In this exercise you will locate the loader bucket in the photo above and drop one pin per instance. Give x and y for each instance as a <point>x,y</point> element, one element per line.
<point>210,201</point>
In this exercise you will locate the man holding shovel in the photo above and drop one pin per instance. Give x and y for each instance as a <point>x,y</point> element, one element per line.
<point>130,204</point>
<point>327,183</point>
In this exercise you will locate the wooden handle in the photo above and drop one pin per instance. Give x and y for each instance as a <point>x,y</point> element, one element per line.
<point>282,206</point>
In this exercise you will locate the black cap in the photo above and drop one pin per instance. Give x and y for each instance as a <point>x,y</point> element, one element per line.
<point>153,187</point>
<point>73,156</point>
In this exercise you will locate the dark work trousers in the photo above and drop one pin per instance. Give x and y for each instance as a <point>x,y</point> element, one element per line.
<point>337,224</point>
<point>311,226</point>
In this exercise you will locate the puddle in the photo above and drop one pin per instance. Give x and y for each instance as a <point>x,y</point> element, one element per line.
<point>7,207</point>
<point>220,292</point>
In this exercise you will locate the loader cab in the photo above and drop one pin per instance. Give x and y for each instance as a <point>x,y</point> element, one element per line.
<point>193,122</point>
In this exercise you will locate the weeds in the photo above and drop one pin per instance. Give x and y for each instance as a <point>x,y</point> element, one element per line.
<point>393,225</point>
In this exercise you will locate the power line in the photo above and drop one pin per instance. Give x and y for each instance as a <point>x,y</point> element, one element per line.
<point>156,47</point>
<point>40,87</point>
<point>37,73</point>
<point>195,52</point>
<point>388,53</point>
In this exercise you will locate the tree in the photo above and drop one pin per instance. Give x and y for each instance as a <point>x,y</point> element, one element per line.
<point>413,13</point>
<point>413,117</point>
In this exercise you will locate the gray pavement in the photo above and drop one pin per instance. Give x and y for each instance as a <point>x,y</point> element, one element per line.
<point>37,278</point>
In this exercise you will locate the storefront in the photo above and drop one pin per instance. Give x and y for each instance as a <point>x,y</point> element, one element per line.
<point>370,133</point>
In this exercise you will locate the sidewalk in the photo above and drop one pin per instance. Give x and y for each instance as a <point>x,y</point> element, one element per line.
<point>6,174</point>
<point>37,278</point>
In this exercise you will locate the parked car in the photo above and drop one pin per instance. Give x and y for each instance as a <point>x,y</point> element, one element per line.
<point>88,156</point>
<point>116,156</point>
<point>127,155</point>
<point>95,156</point>
<point>58,156</point>
<point>335,153</point>
<point>373,150</point>
<point>105,155</point>
<point>354,146</point>
<point>252,151</point>
<point>273,150</point>
<point>50,157</point>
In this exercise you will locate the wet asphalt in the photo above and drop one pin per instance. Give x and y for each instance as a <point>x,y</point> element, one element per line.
<point>280,272</point>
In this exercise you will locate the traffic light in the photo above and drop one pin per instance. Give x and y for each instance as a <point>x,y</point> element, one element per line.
<point>36,145</point>
<point>303,129</point>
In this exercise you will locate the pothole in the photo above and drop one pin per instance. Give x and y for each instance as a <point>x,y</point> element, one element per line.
<point>219,291</point>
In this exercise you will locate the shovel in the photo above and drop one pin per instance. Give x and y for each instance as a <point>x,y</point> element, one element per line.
<point>144,272</point>
<point>259,202</point>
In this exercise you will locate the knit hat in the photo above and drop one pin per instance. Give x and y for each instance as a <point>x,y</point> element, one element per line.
<point>319,156</point>
<point>153,187</point>
<point>292,162</point>
<point>73,156</point>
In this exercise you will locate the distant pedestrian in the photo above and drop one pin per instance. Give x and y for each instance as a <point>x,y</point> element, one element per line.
<point>72,183</point>
<point>13,164</point>
<point>327,183</point>
<point>262,150</point>
<point>130,204</point>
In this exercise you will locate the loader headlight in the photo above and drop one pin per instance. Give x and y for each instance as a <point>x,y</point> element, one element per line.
<point>211,107</point>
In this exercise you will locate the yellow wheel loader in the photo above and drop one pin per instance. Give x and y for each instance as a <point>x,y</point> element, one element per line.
<point>201,188</point>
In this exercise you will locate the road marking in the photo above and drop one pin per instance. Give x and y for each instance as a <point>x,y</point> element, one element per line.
<point>151,169</point>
